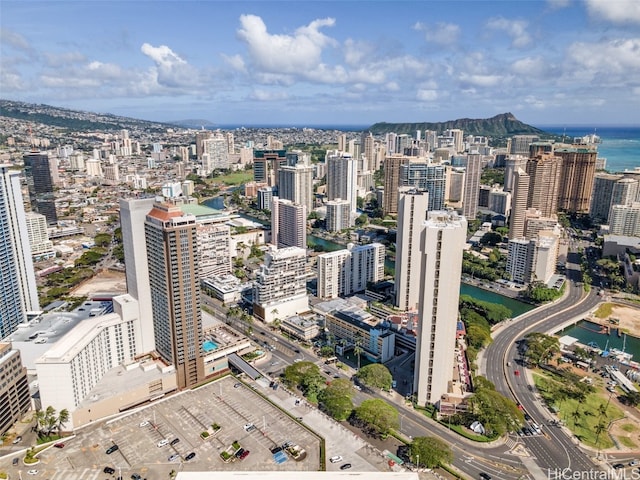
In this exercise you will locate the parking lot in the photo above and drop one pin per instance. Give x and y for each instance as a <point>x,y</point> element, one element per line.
<point>140,437</point>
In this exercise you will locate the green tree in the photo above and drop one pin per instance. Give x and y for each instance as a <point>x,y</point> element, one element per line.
<point>63,417</point>
<point>541,347</point>
<point>377,416</point>
<point>306,377</point>
<point>102,240</point>
<point>362,220</point>
<point>497,413</point>
<point>336,399</point>
<point>326,351</point>
<point>430,452</point>
<point>375,375</point>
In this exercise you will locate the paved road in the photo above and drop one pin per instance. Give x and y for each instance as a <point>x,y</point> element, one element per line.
<point>555,449</point>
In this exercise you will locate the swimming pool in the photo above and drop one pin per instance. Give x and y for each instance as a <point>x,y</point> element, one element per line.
<point>209,346</point>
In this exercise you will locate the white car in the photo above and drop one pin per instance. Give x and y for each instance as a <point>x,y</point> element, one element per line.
<point>335,459</point>
<point>144,423</point>
<point>32,472</point>
<point>163,443</point>
<point>249,426</point>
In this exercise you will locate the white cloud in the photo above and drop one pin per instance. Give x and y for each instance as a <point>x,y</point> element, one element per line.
<point>293,54</point>
<point>531,66</point>
<point>609,57</point>
<point>356,52</point>
<point>267,96</point>
<point>171,70</point>
<point>480,80</point>
<point>15,40</point>
<point>442,33</point>
<point>516,29</point>
<point>11,81</point>
<point>615,11</point>
<point>236,62</point>
<point>63,59</point>
<point>427,95</point>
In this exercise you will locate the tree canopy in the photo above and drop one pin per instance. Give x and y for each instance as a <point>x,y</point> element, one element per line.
<point>497,413</point>
<point>306,377</point>
<point>540,347</point>
<point>375,375</point>
<point>377,416</point>
<point>336,399</point>
<point>430,452</point>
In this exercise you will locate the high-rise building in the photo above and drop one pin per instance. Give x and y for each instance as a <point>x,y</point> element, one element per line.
<point>15,399</point>
<point>266,164</point>
<point>133,213</point>
<point>578,172</point>
<point>454,187</point>
<point>174,276</point>
<point>295,183</point>
<point>518,203</point>
<point>512,163</point>
<point>625,220</point>
<point>603,184</point>
<point>265,198</point>
<point>201,136</point>
<point>392,168</point>
<point>17,277</point>
<point>215,153</point>
<point>440,271</point>
<point>348,271</point>
<point>288,224</point>
<point>412,213</point>
<point>41,246</point>
<point>342,179</point>
<point>280,289</point>
<point>338,215</point>
<point>519,144</point>
<point>368,146</point>
<point>520,260</point>
<point>38,172</point>
<point>424,176</point>
<point>458,138</point>
<point>472,174</point>
<point>544,183</point>
<point>533,260</point>
<point>625,191</point>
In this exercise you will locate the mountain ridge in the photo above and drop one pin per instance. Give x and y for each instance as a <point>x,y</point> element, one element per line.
<point>499,126</point>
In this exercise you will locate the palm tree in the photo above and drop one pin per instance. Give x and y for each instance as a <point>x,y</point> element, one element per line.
<point>63,417</point>
<point>39,416</point>
<point>357,349</point>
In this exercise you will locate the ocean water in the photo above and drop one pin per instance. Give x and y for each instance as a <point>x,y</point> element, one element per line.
<point>620,144</point>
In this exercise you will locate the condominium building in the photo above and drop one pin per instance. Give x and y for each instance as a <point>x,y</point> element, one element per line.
<point>288,224</point>
<point>578,172</point>
<point>215,153</point>
<point>512,164</point>
<point>342,179</point>
<point>520,260</point>
<point>413,205</point>
<point>603,184</point>
<point>41,246</point>
<point>427,177</point>
<point>544,183</point>
<point>533,259</point>
<point>214,239</point>
<point>265,198</point>
<point>518,203</point>
<point>280,289</point>
<point>625,220</point>
<point>266,164</point>
<point>295,183</point>
<point>454,187</point>
<point>338,215</point>
<point>348,271</point>
<point>392,169</point>
<point>15,399</point>
<point>625,191</point>
<point>38,170</point>
<point>17,276</point>
<point>472,174</point>
<point>174,276</point>
<point>133,213</point>
<point>534,223</point>
<point>519,144</point>
<point>440,271</point>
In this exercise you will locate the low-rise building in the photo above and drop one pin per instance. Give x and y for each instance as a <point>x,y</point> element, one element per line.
<point>302,328</point>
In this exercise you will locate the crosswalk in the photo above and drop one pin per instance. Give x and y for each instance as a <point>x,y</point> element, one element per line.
<point>85,474</point>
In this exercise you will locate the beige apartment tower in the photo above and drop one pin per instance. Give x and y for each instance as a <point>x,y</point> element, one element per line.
<point>441,246</point>
<point>578,172</point>
<point>544,183</point>
<point>392,170</point>
<point>519,203</point>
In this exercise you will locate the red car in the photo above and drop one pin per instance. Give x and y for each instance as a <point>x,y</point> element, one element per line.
<point>59,445</point>
<point>244,455</point>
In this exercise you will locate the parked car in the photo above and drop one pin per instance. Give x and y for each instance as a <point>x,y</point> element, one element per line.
<point>335,459</point>
<point>144,423</point>
<point>111,449</point>
<point>346,466</point>
<point>109,470</point>
<point>239,452</point>
<point>634,463</point>
<point>32,472</point>
<point>190,456</point>
<point>163,443</point>
<point>59,445</point>
<point>174,441</point>
<point>15,461</point>
<point>618,466</point>
<point>245,454</point>
<point>173,457</point>
<point>249,426</point>
<point>18,439</point>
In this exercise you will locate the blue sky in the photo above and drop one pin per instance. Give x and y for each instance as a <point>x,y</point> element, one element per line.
<point>327,62</point>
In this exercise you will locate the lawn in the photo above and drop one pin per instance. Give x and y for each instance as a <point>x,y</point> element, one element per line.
<point>235,178</point>
<point>604,310</point>
<point>627,442</point>
<point>581,417</point>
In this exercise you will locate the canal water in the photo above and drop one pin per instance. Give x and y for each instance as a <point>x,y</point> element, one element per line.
<point>587,332</point>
